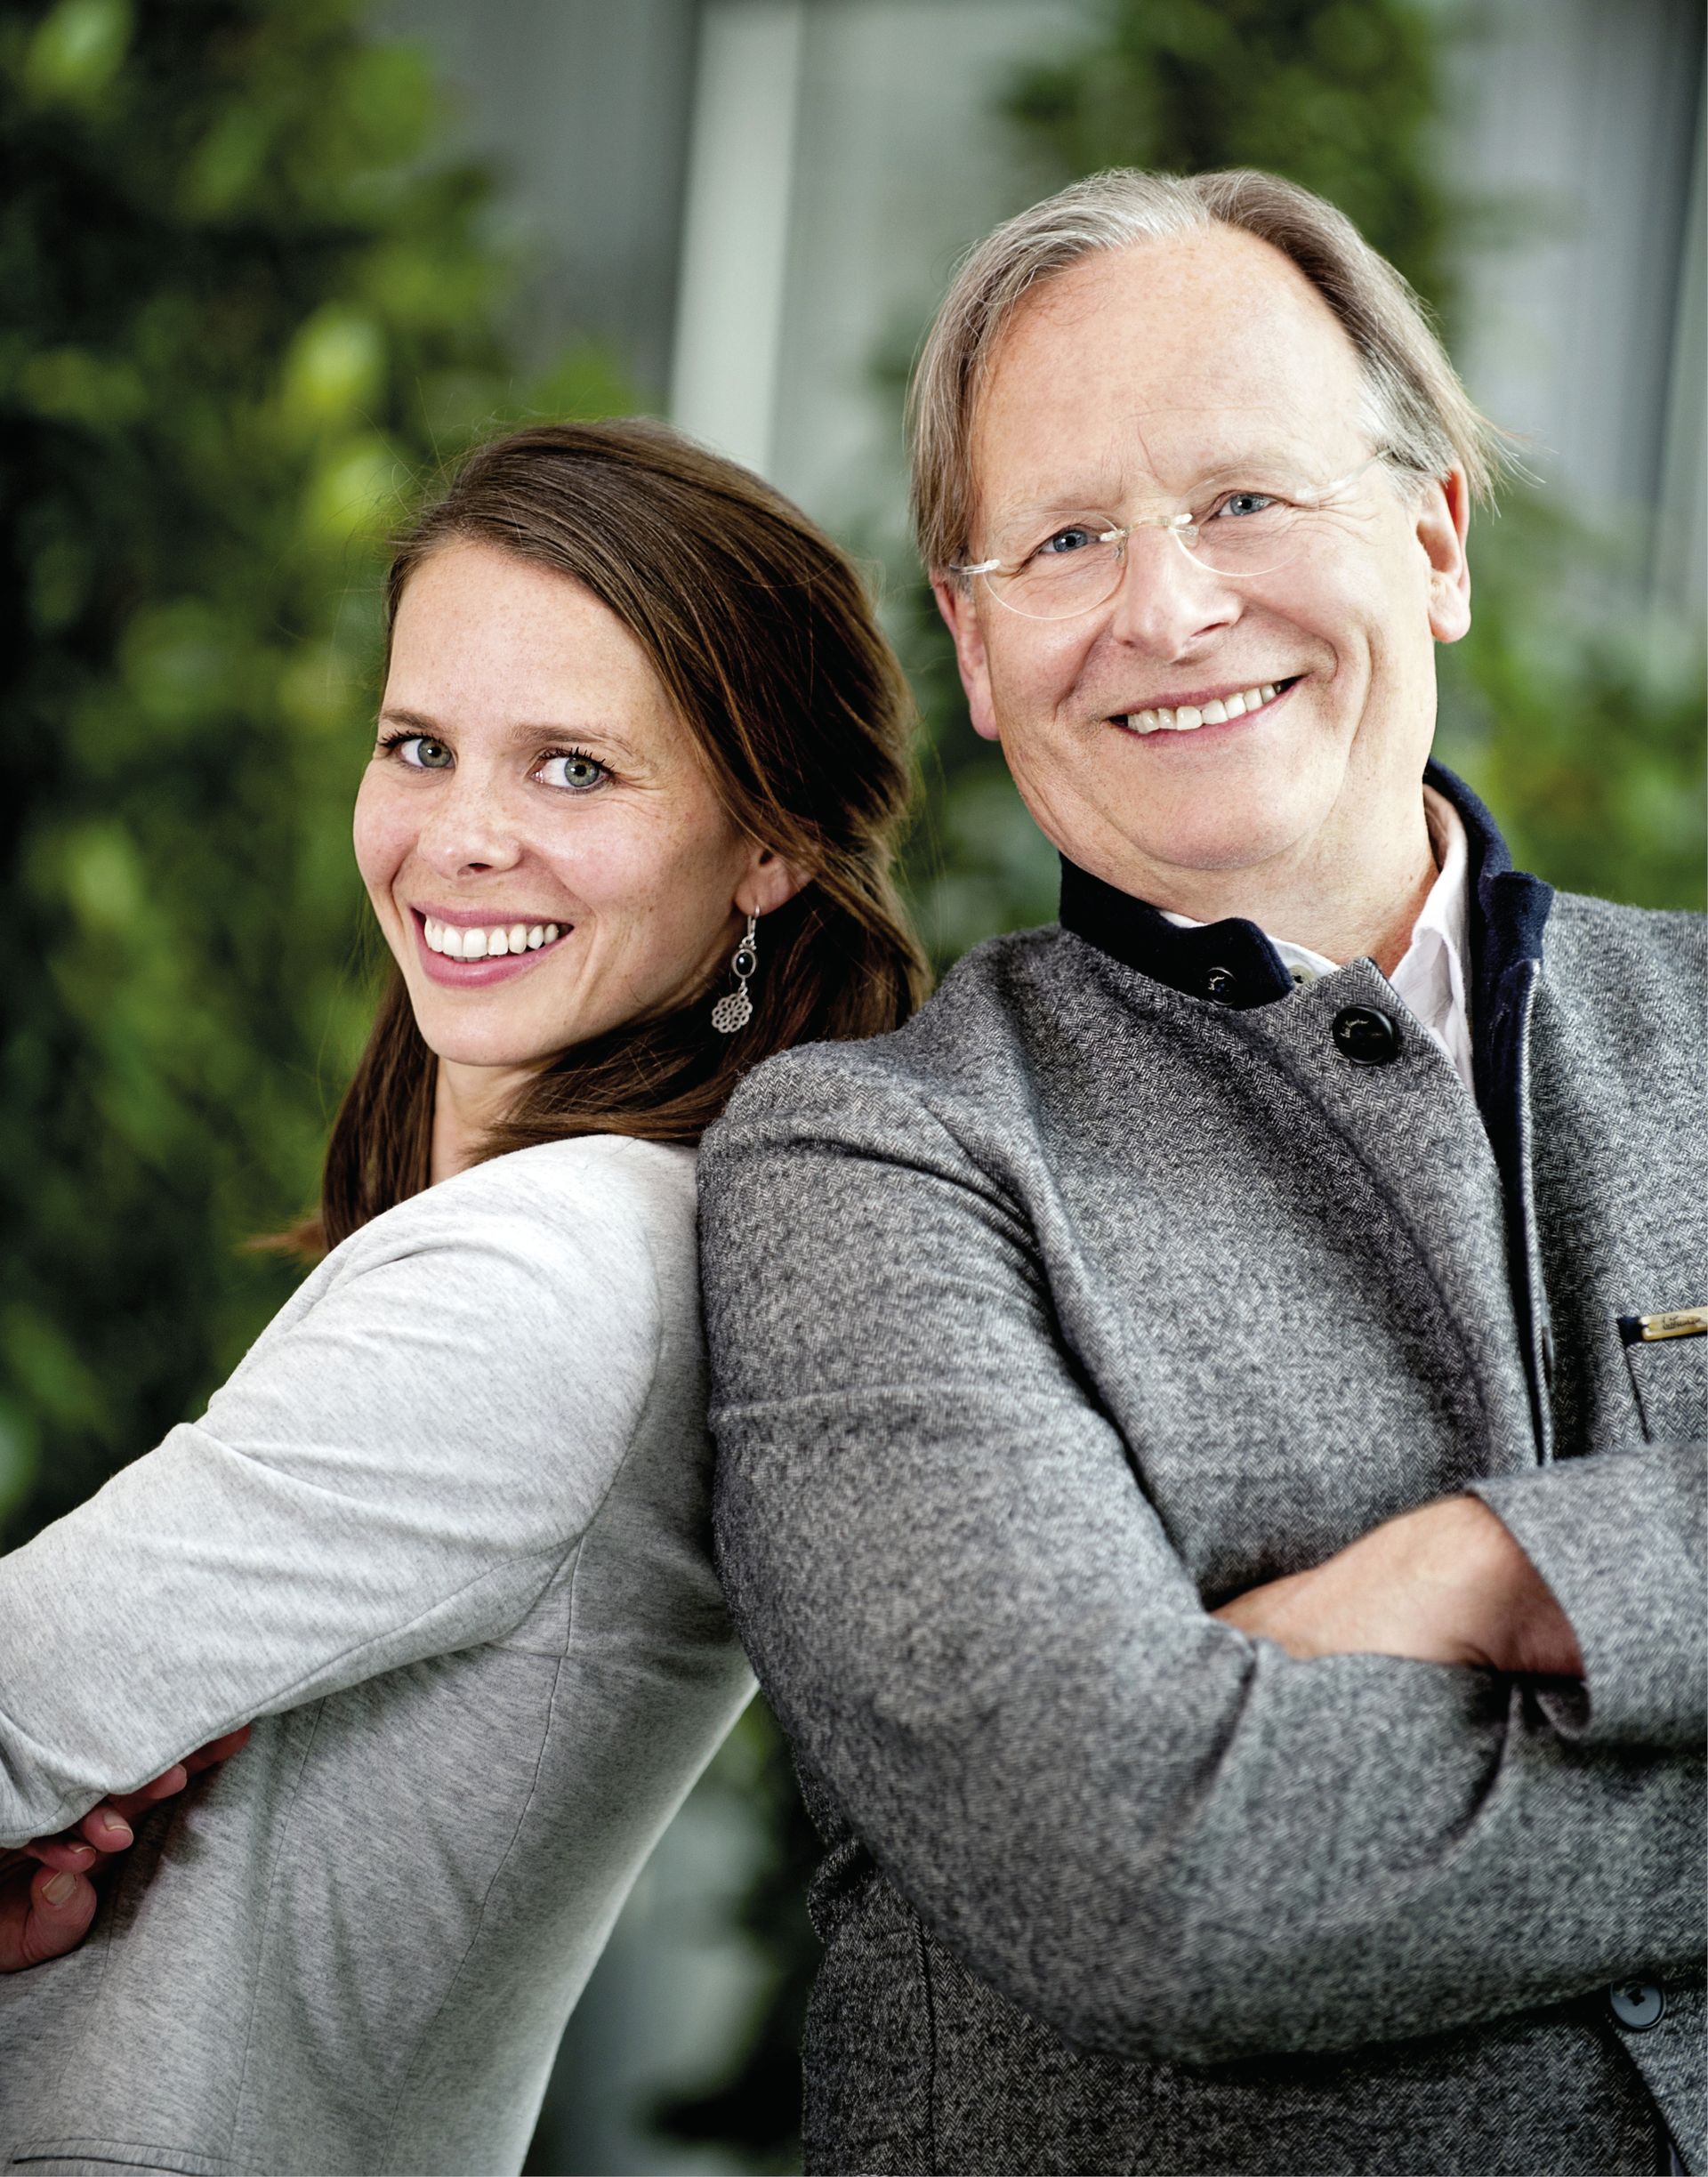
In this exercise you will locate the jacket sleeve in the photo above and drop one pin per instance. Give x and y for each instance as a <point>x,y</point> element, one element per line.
<point>1157,1836</point>
<point>396,1471</point>
<point>1619,1539</point>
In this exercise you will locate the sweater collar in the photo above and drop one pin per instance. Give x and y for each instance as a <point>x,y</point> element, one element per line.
<point>1233,963</point>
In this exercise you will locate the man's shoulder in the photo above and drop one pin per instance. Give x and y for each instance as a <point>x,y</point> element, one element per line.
<point>1648,961</point>
<point>1606,931</point>
<point>1622,1002</point>
<point>960,1041</point>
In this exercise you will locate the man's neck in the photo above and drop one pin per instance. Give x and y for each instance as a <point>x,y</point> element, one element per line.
<point>1342,908</point>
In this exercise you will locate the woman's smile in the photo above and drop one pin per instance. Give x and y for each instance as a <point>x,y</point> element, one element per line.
<point>460,953</point>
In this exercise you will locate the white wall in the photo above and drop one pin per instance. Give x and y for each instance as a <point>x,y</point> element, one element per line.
<point>843,155</point>
<point>581,107</point>
<point>1584,333</point>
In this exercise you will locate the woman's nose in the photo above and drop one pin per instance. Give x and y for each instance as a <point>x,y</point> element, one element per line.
<point>469,828</point>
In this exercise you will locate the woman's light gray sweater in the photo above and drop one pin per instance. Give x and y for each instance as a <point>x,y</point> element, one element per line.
<point>445,1532</point>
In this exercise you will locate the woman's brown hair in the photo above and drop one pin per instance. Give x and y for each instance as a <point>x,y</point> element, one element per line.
<point>761,633</point>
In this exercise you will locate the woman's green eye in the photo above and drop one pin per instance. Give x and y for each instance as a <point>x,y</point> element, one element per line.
<point>571,769</point>
<point>423,755</point>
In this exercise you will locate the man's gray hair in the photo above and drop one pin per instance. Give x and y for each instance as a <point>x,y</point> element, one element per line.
<point>1419,414</point>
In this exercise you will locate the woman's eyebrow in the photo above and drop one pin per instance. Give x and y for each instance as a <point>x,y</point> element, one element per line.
<point>524,731</point>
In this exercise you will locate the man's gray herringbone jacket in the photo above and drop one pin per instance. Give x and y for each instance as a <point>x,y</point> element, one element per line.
<point>1088,1300</point>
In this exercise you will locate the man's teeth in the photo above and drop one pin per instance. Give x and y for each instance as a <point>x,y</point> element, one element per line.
<point>1189,715</point>
<point>486,944</point>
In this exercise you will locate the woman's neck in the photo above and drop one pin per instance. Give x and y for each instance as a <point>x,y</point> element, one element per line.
<point>468,1102</point>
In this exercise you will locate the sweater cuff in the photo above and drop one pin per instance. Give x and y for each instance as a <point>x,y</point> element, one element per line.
<point>1618,1537</point>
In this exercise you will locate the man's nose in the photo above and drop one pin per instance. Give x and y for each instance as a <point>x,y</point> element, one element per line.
<point>1168,598</point>
<point>469,827</point>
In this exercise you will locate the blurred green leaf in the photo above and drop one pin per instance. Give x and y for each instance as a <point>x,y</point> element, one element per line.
<point>249,316</point>
<point>77,49</point>
<point>335,368</point>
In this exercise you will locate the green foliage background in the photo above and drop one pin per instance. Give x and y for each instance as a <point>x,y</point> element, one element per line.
<point>246,317</point>
<point>249,313</point>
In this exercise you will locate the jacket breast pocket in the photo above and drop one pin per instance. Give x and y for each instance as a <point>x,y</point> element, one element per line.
<point>1667,1357</point>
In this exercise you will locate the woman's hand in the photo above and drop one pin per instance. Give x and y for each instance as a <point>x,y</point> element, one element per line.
<point>47,1898</point>
<point>1445,1583</point>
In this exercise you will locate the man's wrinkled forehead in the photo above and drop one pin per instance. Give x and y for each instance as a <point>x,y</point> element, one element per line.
<point>1153,367</point>
<point>1155,452</point>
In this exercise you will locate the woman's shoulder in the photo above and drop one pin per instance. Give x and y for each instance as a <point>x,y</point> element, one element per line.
<point>610,1178</point>
<point>602,1215</point>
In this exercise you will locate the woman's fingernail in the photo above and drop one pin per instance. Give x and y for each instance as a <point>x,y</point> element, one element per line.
<point>111,1822</point>
<point>60,1888</point>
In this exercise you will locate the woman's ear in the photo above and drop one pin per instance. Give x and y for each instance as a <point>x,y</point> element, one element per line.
<point>1443,521</point>
<point>769,882</point>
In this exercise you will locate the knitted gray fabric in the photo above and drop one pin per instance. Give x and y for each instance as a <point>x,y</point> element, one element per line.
<point>1080,1304</point>
<point>445,1533</point>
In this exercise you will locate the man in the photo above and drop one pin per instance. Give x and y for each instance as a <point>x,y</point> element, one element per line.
<point>1209,1482</point>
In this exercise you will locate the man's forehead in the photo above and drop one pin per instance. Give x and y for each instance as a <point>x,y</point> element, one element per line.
<point>1151,366</point>
<point>1166,449</point>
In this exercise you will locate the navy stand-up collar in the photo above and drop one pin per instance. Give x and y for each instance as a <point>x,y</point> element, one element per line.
<point>1233,963</point>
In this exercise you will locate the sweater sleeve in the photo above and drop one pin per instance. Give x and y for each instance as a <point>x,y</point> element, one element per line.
<point>396,1470</point>
<point>1619,1539</point>
<point>1160,1837</point>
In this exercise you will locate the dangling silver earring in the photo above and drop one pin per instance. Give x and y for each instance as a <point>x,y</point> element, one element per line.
<point>734,1009</point>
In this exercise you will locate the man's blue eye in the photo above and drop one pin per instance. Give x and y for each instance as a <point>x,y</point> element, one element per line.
<point>1064,541</point>
<point>1244,504</point>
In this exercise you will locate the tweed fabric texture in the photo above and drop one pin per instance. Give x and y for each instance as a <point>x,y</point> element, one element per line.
<point>1044,1326</point>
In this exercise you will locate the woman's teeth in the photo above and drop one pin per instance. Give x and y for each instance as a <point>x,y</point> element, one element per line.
<point>486,944</point>
<point>1188,716</point>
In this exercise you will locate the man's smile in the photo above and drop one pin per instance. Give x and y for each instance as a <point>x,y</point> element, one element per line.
<point>1205,709</point>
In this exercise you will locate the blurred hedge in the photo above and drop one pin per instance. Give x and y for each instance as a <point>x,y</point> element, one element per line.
<point>244,316</point>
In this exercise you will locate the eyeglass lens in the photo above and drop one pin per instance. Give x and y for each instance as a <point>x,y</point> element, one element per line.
<point>1079,566</point>
<point>1083,567</point>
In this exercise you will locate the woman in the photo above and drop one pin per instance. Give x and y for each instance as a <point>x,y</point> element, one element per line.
<point>627,830</point>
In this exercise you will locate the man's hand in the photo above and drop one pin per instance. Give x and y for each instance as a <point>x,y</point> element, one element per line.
<point>1445,1583</point>
<point>47,1898</point>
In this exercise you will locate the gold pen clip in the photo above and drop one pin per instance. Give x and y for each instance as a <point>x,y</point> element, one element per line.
<point>1671,1323</point>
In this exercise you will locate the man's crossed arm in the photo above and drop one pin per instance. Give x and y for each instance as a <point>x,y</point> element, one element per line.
<point>1298,1822</point>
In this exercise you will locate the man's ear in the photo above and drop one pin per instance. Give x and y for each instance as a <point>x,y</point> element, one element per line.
<point>1443,520</point>
<point>955,602</point>
<point>769,882</point>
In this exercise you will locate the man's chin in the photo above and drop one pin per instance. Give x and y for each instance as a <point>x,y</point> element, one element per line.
<point>1209,841</point>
